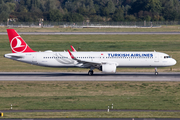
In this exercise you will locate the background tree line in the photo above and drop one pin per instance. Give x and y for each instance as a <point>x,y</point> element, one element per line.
<point>93,10</point>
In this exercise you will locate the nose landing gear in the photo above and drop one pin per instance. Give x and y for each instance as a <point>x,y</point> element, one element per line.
<point>156,72</point>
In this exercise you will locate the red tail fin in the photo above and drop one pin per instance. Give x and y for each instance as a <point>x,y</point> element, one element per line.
<point>17,43</point>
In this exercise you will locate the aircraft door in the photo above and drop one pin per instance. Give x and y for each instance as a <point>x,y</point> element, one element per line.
<point>91,58</point>
<point>156,57</point>
<point>34,58</point>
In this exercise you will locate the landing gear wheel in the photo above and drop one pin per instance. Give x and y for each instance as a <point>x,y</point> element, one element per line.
<point>90,72</point>
<point>156,73</point>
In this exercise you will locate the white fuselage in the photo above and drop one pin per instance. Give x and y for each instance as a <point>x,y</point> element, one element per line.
<point>120,59</point>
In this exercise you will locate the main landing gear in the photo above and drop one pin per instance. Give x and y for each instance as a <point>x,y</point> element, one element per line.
<point>156,72</point>
<point>90,72</point>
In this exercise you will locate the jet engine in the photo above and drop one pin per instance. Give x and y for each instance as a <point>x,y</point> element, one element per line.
<point>109,67</point>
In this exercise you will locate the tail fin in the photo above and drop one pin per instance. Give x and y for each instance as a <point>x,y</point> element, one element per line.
<point>18,45</point>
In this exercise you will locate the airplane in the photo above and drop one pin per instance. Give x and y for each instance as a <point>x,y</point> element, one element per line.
<point>107,62</point>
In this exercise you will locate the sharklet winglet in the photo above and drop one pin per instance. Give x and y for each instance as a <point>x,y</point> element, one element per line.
<point>73,49</point>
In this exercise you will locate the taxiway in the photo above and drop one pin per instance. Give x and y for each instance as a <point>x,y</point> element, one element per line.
<point>94,33</point>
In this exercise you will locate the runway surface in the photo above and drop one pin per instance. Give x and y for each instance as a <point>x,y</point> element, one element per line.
<point>76,76</point>
<point>94,33</point>
<point>12,111</point>
<point>92,118</point>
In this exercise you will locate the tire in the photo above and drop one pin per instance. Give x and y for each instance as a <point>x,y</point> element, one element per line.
<point>156,73</point>
<point>90,72</point>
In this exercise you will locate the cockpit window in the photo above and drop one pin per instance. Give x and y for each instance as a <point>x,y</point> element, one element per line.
<point>167,57</point>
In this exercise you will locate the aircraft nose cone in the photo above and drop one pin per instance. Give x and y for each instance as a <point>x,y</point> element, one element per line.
<point>173,62</point>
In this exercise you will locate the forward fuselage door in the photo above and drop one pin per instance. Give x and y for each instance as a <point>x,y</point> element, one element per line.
<point>156,57</point>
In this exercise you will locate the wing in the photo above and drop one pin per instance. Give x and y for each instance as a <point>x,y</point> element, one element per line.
<point>84,61</point>
<point>104,66</point>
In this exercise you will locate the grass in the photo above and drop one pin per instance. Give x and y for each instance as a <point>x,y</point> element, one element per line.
<point>162,43</point>
<point>89,95</point>
<point>93,115</point>
<point>173,28</point>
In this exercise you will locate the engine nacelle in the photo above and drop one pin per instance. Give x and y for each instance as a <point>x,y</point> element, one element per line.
<point>109,68</point>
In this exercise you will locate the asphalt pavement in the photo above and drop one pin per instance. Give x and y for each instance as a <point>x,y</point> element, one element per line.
<point>82,76</point>
<point>94,33</point>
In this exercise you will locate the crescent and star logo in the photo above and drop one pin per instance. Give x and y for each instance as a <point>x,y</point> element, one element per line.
<point>18,45</point>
